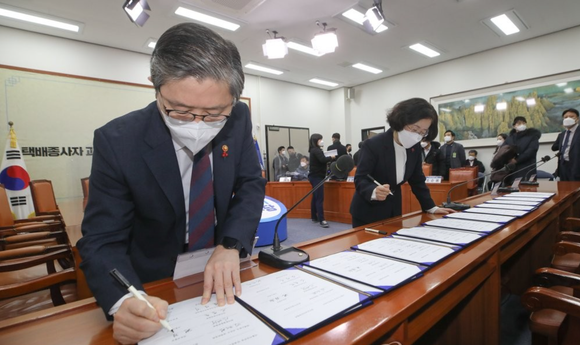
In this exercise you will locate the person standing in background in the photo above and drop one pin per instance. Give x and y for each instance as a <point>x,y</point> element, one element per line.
<point>453,154</point>
<point>393,158</point>
<point>356,156</point>
<point>280,164</point>
<point>336,145</point>
<point>293,159</point>
<point>526,142</point>
<point>568,143</point>
<point>432,155</point>
<point>348,149</point>
<point>317,173</point>
<point>500,140</point>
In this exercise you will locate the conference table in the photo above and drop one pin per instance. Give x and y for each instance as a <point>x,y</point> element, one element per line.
<point>456,302</point>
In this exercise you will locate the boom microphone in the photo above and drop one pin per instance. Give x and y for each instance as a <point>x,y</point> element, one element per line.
<point>459,206</point>
<point>531,166</point>
<point>280,257</point>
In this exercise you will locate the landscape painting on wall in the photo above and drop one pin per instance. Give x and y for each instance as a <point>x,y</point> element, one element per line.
<point>486,116</point>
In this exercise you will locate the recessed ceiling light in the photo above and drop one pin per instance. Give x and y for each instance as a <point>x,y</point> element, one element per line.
<point>420,48</point>
<point>530,102</point>
<point>322,82</point>
<point>359,18</point>
<point>520,98</point>
<point>263,69</point>
<point>561,84</point>
<point>367,68</point>
<point>505,24</point>
<point>479,108</point>
<point>447,110</point>
<point>41,19</point>
<point>204,18</point>
<point>151,43</point>
<point>568,90</point>
<point>303,48</point>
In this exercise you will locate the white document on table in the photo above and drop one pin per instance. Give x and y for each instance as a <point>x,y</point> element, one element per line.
<point>461,238</point>
<point>513,202</point>
<point>464,224</point>
<point>194,323</point>
<point>378,271</point>
<point>506,207</point>
<point>371,290</point>
<point>406,249</point>
<point>482,217</point>
<point>533,194</point>
<point>298,301</point>
<point>490,212</point>
<point>514,198</point>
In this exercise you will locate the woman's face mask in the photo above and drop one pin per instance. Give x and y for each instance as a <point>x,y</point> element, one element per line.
<point>408,139</point>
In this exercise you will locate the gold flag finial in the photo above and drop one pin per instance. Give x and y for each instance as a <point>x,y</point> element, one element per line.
<point>12,136</point>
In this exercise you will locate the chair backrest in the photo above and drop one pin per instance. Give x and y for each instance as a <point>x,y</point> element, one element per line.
<point>85,186</point>
<point>544,175</point>
<point>352,172</point>
<point>43,197</point>
<point>464,174</point>
<point>6,217</point>
<point>427,169</point>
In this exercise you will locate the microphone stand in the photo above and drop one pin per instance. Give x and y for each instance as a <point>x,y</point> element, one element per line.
<point>459,206</point>
<point>544,160</point>
<point>280,257</point>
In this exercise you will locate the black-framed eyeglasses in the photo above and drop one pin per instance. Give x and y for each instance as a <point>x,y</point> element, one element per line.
<point>187,116</point>
<point>416,129</point>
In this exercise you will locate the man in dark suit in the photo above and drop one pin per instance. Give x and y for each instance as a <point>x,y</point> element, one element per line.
<point>568,143</point>
<point>453,154</point>
<point>193,141</point>
<point>432,155</point>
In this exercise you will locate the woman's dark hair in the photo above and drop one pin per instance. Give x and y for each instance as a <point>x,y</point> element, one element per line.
<point>410,111</point>
<point>503,135</point>
<point>280,148</point>
<point>314,141</point>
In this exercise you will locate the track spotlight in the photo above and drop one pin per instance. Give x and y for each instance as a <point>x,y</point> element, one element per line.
<point>136,11</point>
<point>374,16</point>
<point>275,48</point>
<point>326,41</point>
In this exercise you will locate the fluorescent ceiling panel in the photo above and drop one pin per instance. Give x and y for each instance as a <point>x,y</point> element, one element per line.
<point>204,18</point>
<point>359,18</point>
<point>303,48</point>
<point>39,19</point>
<point>367,68</point>
<point>263,69</point>
<point>322,82</point>
<point>505,24</point>
<point>420,48</point>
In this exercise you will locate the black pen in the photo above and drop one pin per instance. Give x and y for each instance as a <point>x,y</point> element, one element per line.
<point>376,231</point>
<point>123,281</point>
<point>376,182</point>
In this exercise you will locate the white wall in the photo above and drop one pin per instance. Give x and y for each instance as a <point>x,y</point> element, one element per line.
<point>550,54</point>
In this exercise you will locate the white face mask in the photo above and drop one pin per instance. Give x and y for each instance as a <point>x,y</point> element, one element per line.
<point>409,139</point>
<point>499,142</point>
<point>521,128</point>
<point>302,164</point>
<point>424,144</point>
<point>447,138</point>
<point>321,143</point>
<point>193,135</point>
<point>470,158</point>
<point>282,152</point>
<point>569,122</point>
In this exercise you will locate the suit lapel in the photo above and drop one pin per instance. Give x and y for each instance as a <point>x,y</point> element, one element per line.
<point>224,154</point>
<point>162,161</point>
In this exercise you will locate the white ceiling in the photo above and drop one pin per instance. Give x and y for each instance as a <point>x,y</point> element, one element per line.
<point>453,26</point>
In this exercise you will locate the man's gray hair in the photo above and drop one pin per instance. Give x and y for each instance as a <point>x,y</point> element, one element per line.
<point>192,50</point>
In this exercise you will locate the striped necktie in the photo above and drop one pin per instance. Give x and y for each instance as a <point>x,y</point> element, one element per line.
<point>201,203</point>
<point>565,144</point>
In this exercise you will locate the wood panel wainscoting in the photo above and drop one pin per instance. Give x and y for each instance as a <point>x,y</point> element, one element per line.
<point>338,195</point>
<point>455,302</point>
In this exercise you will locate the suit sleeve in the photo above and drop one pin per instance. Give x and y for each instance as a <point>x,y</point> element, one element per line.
<point>320,156</point>
<point>556,144</point>
<point>418,186</point>
<point>245,209</point>
<point>106,226</point>
<point>529,152</point>
<point>366,166</point>
<point>462,157</point>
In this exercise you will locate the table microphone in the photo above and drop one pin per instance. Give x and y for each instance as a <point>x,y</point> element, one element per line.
<point>280,257</point>
<point>459,206</point>
<point>525,181</point>
<point>510,189</point>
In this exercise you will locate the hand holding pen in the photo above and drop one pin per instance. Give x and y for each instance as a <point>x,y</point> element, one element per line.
<point>382,190</point>
<point>135,320</point>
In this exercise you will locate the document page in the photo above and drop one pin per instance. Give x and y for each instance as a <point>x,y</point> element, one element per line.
<point>510,198</point>
<point>513,202</point>
<point>507,207</point>
<point>194,323</point>
<point>481,216</point>
<point>533,194</point>
<point>464,224</point>
<point>371,290</point>
<point>489,211</point>
<point>377,271</point>
<point>409,250</point>
<point>296,300</point>
<point>456,237</point>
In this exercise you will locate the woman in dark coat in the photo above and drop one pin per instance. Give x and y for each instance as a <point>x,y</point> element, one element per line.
<point>317,173</point>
